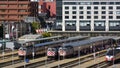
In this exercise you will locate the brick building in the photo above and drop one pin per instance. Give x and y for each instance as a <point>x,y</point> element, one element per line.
<point>16,10</point>
<point>47,6</point>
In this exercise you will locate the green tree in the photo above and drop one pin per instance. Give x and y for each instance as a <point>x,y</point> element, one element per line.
<point>35,25</point>
<point>46,34</point>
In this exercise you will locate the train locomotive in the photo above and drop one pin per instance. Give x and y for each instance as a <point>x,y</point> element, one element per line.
<point>85,46</point>
<point>112,54</point>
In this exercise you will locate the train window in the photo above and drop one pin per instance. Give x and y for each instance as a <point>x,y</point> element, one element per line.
<point>111,52</point>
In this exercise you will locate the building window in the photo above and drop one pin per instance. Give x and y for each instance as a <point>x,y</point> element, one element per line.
<point>117,3</point>
<point>80,7</point>
<point>111,3</point>
<point>110,17</point>
<point>95,3</point>
<point>66,12</point>
<point>66,7</point>
<point>81,12</point>
<point>73,12</point>
<point>103,12</point>
<point>110,12</point>
<point>99,23</point>
<point>95,7</point>
<point>103,7</point>
<point>95,12</point>
<point>103,17</point>
<point>117,12</point>
<point>66,17</point>
<point>73,17</point>
<point>103,3</point>
<point>81,17</point>
<point>95,17</point>
<point>110,7</point>
<point>88,7</point>
<point>118,7</point>
<point>74,7</point>
<point>118,17</point>
<point>88,17</point>
<point>84,23</point>
<point>88,12</point>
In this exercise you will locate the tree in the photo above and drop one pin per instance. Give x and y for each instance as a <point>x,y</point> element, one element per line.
<point>46,34</point>
<point>35,25</point>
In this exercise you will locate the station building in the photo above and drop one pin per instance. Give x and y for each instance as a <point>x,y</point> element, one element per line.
<point>88,15</point>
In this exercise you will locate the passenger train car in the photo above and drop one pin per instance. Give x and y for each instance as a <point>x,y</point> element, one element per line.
<point>42,47</point>
<point>86,46</point>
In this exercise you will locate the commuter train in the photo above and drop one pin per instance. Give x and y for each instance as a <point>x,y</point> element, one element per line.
<point>52,52</point>
<point>112,54</point>
<point>85,46</point>
<point>41,48</point>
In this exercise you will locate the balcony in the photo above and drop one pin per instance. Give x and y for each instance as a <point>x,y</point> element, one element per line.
<point>23,2</point>
<point>11,2</point>
<point>25,13</point>
<point>3,7</point>
<point>4,12</point>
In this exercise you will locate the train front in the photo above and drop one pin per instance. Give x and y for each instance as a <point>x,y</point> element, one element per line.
<point>22,52</point>
<point>62,52</point>
<point>52,53</point>
<point>110,56</point>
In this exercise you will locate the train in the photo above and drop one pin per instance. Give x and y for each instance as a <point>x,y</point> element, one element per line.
<point>53,52</point>
<point>86,46</point>
<point>37,49</point>
<point>112,54</point>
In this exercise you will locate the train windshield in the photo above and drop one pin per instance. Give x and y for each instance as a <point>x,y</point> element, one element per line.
<point>62,48</point>
<point>21,48</point>
<point>51,49</point>
<point>113,52</point>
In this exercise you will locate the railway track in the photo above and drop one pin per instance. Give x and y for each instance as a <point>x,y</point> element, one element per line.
<point>41,63</point>
<point>36,64</point>
<point>78,61</point>
<point>100,65</point>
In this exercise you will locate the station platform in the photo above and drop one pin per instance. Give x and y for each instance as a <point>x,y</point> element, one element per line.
<point>24,63</point>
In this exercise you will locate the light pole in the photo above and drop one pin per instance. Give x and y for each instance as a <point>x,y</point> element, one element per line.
<point>3,48</point>
<point>58,59</point>
<point>79,55</point>
<point>46,56</point>
<point>33,53</point>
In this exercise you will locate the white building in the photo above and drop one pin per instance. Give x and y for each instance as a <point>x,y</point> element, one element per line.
<point>89,15</point>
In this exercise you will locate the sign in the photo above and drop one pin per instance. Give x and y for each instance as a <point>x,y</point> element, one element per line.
<point>10,45</point>
<point>33,53</point>
<point>7,36</point>
<point>0,45</point>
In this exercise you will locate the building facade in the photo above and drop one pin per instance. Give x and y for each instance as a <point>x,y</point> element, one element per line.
<point>17,10</point>
<point>48,7</point>
<point>88,15</point>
